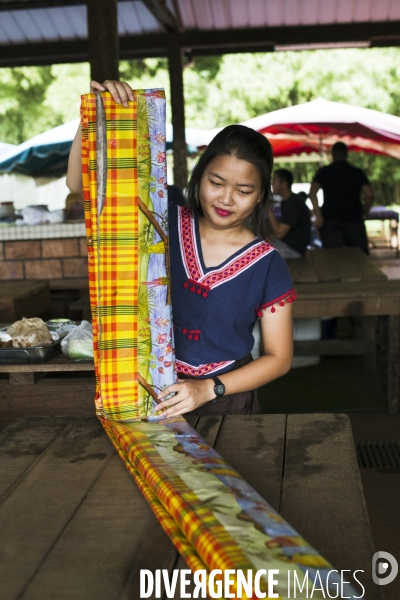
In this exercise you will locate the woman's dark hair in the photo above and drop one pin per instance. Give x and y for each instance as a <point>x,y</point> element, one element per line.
<point>244,144</point>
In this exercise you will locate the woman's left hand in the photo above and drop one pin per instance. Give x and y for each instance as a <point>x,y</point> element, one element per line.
<point>189,394</point>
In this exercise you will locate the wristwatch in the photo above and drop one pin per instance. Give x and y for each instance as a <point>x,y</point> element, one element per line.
<point>219,389</point>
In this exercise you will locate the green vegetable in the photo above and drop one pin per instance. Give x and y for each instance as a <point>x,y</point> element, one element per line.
<point>79,349</point>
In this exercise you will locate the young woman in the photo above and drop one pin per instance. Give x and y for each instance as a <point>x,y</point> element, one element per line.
<point>224,275</point>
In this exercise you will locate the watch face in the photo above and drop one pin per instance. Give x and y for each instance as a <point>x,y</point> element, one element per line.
<point>219,389</point>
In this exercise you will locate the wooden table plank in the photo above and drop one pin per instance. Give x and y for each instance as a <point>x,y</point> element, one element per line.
<point>357,289</point>
<point>322,494</point>
<point>364,265</point>
<point>58,396</point>
<point>58,363</point>
<point>113,524</point>
<point>255,447</point>
<point>335,264</point>
<point>35,514</point>
<point>22,444</point>
<point>302,270</point>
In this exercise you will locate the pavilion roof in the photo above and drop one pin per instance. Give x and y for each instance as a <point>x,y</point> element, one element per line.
<point>44,31</point>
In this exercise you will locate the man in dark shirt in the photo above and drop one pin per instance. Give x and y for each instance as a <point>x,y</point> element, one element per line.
<point>340,218</point>
<point>293,230</point>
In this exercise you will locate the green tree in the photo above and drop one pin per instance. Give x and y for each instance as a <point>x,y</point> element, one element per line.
<point>22,95</point>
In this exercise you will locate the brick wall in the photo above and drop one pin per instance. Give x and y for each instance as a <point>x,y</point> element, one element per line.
<point>43,259</point>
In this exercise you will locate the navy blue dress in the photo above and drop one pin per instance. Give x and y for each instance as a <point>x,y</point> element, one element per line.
<point>215,309</point>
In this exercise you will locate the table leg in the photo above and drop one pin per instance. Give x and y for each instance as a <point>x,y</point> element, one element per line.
<point>393,364</point>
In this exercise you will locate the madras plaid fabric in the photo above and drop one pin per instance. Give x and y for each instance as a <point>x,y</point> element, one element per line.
<point>212,516</point>
<point>126,221</point>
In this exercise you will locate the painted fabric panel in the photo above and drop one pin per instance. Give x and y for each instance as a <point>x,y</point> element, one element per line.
<point>124,181</point>
<point>212,516</point>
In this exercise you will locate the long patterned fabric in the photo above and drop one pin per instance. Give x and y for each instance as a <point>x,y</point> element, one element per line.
<point>212,516</point>
<point>124,180</point>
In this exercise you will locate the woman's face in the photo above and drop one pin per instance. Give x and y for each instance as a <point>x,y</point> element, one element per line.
<point>229,191</point>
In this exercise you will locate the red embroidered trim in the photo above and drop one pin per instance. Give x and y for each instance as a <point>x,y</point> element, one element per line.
<point>193,334</point>
<point>196,280</point>
<point>186,369</point>
<point>289,297</point>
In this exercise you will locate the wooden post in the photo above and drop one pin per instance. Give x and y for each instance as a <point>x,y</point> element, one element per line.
<point>178,111</point>
<point>103,42</point>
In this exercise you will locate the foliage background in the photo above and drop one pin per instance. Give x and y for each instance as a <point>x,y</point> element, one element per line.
<point>222,90</point>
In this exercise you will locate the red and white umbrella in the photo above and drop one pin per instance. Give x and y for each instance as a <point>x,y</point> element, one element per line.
<point>315,126</point>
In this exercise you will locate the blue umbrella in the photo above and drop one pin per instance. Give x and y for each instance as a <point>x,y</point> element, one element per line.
<point>46,155</point>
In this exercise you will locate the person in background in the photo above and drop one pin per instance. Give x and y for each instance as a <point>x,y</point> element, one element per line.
<point>175,195</point>
<point>292,232</point>
<point>340,219</point>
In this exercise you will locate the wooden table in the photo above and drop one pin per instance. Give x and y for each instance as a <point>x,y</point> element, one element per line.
<point>344,282</point>
<point>74,526</point>
<point>68,389</point>
<point>23,298</point>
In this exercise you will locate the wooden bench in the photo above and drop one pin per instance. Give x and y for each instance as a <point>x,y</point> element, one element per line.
<point>344,282</point>
<point>23,298</point>
<point>75,525</point>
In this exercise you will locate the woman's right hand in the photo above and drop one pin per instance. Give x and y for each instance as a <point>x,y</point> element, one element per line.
<point>119,90</point>
<point>121,93</point>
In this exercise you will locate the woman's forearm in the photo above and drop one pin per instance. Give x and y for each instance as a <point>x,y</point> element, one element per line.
<point>256,373</point>
<point>74,174</point>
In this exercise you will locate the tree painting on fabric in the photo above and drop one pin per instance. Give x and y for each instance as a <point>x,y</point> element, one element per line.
<point>127,230</point>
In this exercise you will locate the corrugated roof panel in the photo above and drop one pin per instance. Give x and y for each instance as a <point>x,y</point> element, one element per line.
<point>220,14</point>
<point>363,10</point>
<point>345,11</point>
<point>239,15</point>
<point>257,13</point>
<point>380,9</point>
<point>292,12</point>
<point>28,26</point>
<point>3,36</point>
<point>44,24</point>
<point>134,18</point>
<point>187,13</point>
<point>11,27</point>
<point>60,21</point>
<point>274,13</point>
<point>149,22</point>
<point>203,16</point>
<point>394,11</point>
<point>77,16</point>
<point>327,12</point>
<point>128,19</point>
<point>309,12</point>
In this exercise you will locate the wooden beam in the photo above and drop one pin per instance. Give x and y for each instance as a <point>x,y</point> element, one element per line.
<point>178,16</point>
<point>103,43</point>
<point>163,15</point>
<point>261,39</point>
<point>178,111</point>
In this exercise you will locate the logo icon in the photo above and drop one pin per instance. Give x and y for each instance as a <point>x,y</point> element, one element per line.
<point>384,564</point>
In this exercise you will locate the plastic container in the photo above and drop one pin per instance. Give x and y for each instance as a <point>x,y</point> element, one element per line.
<point>29,356</point>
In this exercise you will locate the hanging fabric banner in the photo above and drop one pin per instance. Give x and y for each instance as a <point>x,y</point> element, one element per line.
<point>212,516</point>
